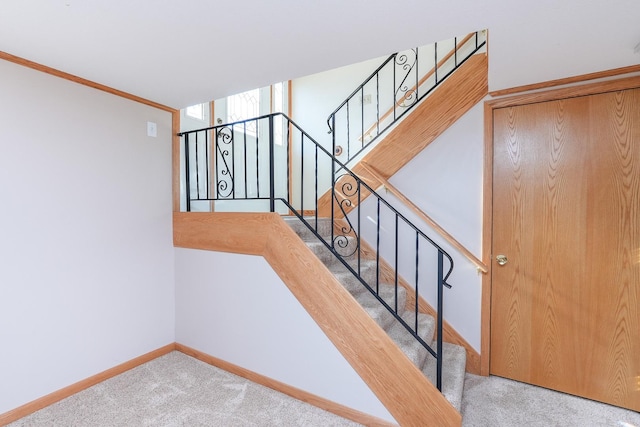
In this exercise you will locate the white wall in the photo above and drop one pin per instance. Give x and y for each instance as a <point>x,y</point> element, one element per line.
<point>444,181</point>
<point>316,96</point>
<point>86,256</point>
<point>265,328</point>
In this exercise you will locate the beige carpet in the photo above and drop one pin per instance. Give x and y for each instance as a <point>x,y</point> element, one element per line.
<point>177,390</point>
<point>495,401</point>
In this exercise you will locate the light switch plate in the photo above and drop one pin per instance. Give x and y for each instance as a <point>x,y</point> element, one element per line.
<point>152,129</point>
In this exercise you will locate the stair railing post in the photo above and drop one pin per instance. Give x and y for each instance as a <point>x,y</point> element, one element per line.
<point>187,184</point>
<point>439,325</point>
<point>272,174</point>
<point>333,174</point>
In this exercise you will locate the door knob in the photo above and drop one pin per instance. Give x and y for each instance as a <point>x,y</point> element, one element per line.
<point>502,259</point>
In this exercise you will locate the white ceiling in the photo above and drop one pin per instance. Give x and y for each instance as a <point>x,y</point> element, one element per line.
<point>180,52</point>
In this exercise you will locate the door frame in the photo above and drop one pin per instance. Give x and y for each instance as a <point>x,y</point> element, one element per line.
<point>487,228</point>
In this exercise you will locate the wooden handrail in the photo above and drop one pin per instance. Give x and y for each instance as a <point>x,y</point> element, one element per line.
<point>426,218</point>
<point>420,83</point>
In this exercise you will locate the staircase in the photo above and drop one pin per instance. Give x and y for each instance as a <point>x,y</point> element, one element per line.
<point>454,356</point>
<point>314,181</point>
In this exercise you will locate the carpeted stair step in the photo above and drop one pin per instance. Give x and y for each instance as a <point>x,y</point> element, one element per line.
<point>406,341</point>
<point>348,280</point>
<point>376,310</point>
<point>327,257</point>
<point>453,370</point>
<point>322,227</point>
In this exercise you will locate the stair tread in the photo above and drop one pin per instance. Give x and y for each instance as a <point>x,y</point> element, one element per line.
<point>322,227</point>
<point>406,341</point>
<point>453,371</point>
<point>376,310</point>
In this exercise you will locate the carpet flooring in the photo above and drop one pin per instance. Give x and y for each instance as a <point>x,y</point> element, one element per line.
<point>177,390</point>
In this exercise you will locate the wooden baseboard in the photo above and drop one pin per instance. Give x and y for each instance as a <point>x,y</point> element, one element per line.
<point>56,396</point>
<point>296,393</point>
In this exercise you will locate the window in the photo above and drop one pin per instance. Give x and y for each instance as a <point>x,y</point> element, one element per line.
<point>195,111</point>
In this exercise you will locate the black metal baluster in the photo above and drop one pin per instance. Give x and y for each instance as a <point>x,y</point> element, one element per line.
<point>316,183</point>
<point>417,76</point>
<point>333,181</point>
<point>455,52</point>
<point>396,263</point>
<point>377,104</point>
<point>348,133</point>
<point>187,179</point>
<point>257,159</point>
<point>233,162</point>
<point>197,171</point>
<point>218,162</point>
<point>417,277</point>
<point>440,318</point>
<point>246,177</point>
<point>288,160</point>
<point>208,163</point>
<point>359,234</point>
<point>302,174</point>
<point>378,247</point>
<point>393,88</point>
<point>362,118</point>
<point>272,168</point>
<point>435,67</point>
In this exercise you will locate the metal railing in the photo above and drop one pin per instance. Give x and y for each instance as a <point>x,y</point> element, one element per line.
<point>393,89</point>
<point>278,167</point>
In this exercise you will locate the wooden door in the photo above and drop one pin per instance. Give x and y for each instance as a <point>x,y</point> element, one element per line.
<point>566,214</point>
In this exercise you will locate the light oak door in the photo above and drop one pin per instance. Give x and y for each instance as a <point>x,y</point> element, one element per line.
<point>566,215</point>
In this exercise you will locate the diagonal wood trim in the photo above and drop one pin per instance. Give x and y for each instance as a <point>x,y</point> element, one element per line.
<point>296,393</point>
<point>56,396</point>
<point>43,68</point>
<point>420,83</point>
<point>568,80</point>
<point>426,218</point>
<point>392,377</point>
<point>449,334</point>
<point>453,98</point>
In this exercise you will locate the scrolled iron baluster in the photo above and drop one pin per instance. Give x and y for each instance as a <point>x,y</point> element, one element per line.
<point>348,190</point>
<point>225,184</point>
<point>404,95</point>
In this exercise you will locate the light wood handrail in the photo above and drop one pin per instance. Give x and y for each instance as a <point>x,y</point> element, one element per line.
<point>426,218</point>
<point>420,83</point>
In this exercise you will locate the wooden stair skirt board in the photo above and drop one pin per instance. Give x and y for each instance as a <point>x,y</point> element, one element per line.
<point>454,355</point>
<point>450,101</point>
<point>406,393</point>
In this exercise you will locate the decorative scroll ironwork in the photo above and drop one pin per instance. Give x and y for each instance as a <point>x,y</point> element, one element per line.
<point>397,85</point>
<point>224,170</point>
<point>346,243</point>
<point>406,95</point>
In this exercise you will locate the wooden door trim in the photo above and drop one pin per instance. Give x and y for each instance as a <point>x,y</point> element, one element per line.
<point>487,229</point>
<point>568,80</point>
